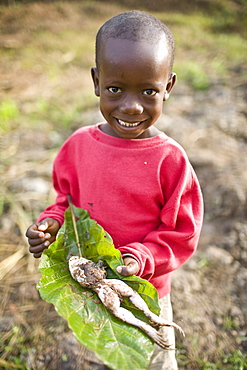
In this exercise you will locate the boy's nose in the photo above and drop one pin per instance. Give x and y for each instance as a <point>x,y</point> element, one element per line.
<point>130,106</point>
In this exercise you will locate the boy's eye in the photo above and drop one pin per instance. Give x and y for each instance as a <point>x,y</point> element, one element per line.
<point>114,90</point>
<point>149,92</point>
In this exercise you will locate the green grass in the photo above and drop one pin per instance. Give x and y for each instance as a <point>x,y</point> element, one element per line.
<point>14,347</point>
<point>192,74</point>
<point>203,55</point>
<point>227,361</point>
<point>9,112</point>
<point>19,342</point>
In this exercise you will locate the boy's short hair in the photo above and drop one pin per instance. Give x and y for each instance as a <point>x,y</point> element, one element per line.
<point>135,25</point>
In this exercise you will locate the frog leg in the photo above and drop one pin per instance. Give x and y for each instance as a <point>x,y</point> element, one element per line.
<point>111,301</point>
<point>124,290</point>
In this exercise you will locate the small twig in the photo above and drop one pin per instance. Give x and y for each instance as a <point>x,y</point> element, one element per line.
<point>74,224</point>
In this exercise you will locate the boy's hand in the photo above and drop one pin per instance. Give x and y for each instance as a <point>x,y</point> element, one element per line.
<point>130,267</point>
<point>41,235</point>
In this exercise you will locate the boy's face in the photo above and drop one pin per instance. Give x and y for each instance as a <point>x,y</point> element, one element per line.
<point>132,82</point>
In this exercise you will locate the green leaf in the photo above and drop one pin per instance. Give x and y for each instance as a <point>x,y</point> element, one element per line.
<point>117,344</point>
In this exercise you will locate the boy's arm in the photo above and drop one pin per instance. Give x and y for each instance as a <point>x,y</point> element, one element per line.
<point>62,183</point>
<point>56,210</point>
<point>43,233</point>
<point>167,248</point>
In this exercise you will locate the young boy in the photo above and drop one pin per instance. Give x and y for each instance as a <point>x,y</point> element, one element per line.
<point>134,180</point>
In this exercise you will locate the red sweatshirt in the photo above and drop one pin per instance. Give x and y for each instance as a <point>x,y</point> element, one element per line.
<point>143,192</point>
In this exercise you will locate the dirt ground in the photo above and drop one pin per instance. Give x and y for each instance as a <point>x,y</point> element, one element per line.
<point>209,292</point>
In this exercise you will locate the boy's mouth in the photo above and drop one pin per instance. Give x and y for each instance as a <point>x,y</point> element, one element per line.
<point>128,124</point>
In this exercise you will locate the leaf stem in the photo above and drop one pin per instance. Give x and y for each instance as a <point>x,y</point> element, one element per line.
<point>74,224</point>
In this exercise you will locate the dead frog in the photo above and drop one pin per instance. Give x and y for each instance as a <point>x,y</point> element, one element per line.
<point>110,291</point>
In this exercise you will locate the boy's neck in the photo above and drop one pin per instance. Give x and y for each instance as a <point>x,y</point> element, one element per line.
<point>150,132</point>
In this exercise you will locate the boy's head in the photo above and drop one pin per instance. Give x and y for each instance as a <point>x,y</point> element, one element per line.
<point>135,26</point>
<point>133,74</point>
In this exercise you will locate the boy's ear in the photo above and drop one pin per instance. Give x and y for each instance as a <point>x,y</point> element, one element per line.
<point>95,77</point>
<point>169,86</point>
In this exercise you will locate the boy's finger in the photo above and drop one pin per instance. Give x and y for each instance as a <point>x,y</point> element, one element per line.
<point>43,226</point>
<point>37,236</point>
<point>119,269</point>
<point>39,248</point>
<point>32,231</point>
<point>124,270</point>
<point>36,241</point>
<point>37,255</point>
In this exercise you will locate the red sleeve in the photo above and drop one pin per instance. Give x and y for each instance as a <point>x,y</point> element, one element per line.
<point>175,240</point>
<point>62,177</point>
<point>57,209</point>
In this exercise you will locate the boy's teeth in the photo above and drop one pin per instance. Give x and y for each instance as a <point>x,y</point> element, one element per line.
<point>127,124</point>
